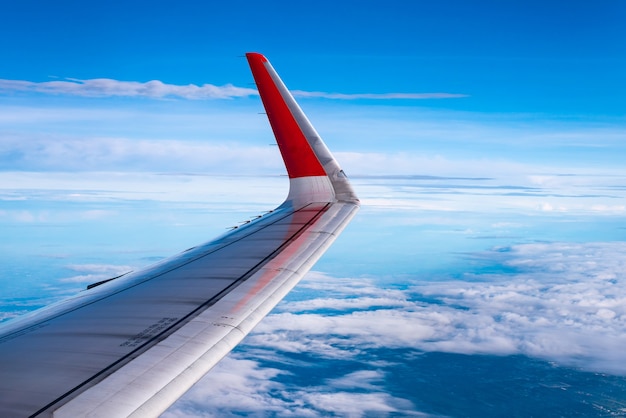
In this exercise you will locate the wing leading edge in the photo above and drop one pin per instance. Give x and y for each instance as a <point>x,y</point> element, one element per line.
<point>133,345</point>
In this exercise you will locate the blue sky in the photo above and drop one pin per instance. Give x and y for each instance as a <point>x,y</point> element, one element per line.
<point>485,139</point>
<point>527,56</point>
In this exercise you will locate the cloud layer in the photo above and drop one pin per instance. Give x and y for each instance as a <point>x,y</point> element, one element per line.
<point>112,153</point>
<point>563,302</point>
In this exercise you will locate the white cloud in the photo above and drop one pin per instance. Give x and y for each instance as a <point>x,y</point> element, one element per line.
<point>356,405</point>
<point>345,304</point>
<point>546,207</point>
<point>563,302</point>
<point>392,328</point>
<point>377,96</point>
<point>155,89</point>
<point>92,273</point>
<point>237,387</point>
<point>609,208</point>
<point>5,316</point>
<point>361,379</point>
<point>486,187</point>
<point>40,153</point>
<point>98,195</point>
<point>105,87</point>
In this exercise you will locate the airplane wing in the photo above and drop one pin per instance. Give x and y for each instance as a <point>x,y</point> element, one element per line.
<point>133,345</point>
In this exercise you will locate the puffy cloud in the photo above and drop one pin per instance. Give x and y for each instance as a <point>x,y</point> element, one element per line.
<point>346,304</point>
<point>237,387</point>
<point>351,404</point>
<point>556,301</point>
<point>359,379</point>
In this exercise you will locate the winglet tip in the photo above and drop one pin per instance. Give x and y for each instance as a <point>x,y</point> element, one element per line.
<point>256,56</point>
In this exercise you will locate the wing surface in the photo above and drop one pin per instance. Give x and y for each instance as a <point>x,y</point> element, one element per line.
<point>133,345</point>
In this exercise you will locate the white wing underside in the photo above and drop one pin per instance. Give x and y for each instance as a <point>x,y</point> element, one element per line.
<point>133,345</point>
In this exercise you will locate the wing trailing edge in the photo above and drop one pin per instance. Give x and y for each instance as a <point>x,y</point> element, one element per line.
<point>132,346</point>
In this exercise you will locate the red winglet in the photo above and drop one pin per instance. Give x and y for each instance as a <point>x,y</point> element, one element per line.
<point>298,155</point>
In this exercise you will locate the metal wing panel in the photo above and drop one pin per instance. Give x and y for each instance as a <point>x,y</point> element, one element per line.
<point>81,340</point>
<point>192,350</point>
<point>133,345</point>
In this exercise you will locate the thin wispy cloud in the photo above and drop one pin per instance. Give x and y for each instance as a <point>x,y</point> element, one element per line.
<point>110,153</point>
<point>155,89</point>
<point>91,273</point>
<point>106,87</point>
<point>376,96</point>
